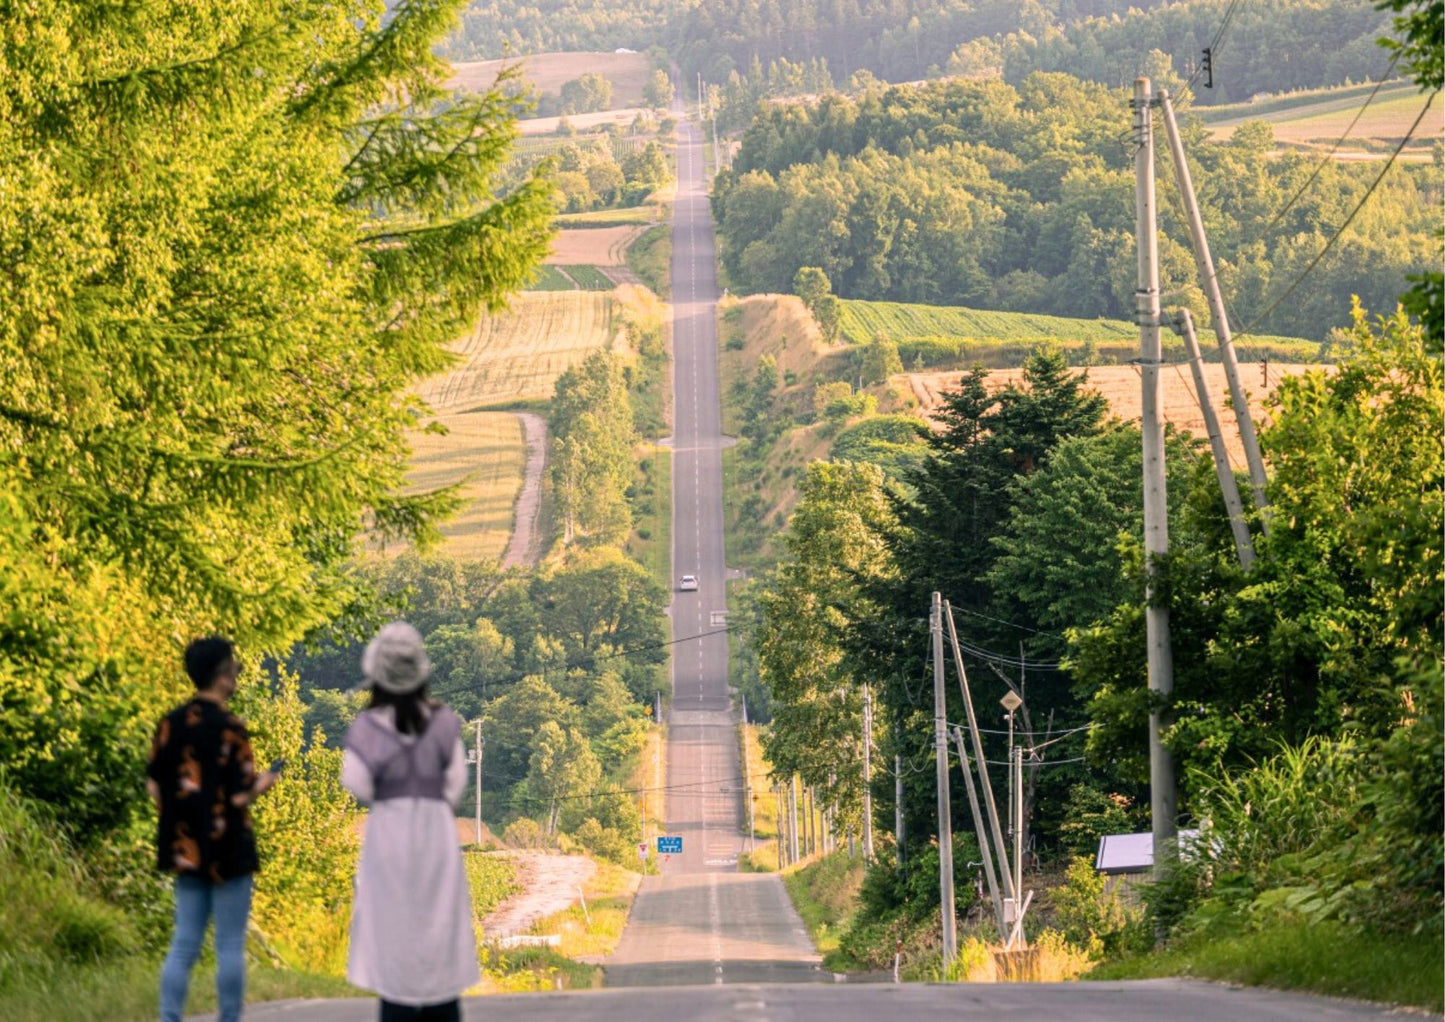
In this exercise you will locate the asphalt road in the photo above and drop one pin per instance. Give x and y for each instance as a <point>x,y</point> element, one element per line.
<point>1142,1001</point>
<point>702,922</point>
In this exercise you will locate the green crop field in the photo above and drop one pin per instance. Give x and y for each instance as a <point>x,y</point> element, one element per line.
<point>639,215</point>
<point>487,454</point>
<point>861,321</point>
<point>1006,338</point>
<point>589,278</point>
<point>549,278</point>
<point>518,354</point>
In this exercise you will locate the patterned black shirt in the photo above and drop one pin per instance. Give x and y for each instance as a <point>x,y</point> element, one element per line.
<point>200,757</point>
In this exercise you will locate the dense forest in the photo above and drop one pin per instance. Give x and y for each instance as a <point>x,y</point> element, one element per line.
<point>1020,198</point>
<point>1274,46</point>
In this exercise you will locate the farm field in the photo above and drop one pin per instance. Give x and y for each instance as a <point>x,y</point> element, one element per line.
<point>1120,385</point>
<point>590,278</point>
<point>1007,337</point>
<point>593,246</point>
<point>484,451</point>
<point>549,278</point>
<point>518,354</point>
<point>648,213</point>
<point>623,118</point>
<point>628,72</point>
<point>1317,119</point>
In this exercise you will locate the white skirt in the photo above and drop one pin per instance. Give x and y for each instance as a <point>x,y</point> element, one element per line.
<point>412,939</point>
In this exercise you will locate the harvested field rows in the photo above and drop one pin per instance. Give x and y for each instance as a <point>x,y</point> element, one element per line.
<point>548,72</point>
<point>485,452</point>
<point>593,246</point>
<point>1120,385</point>
<point>518,354</point>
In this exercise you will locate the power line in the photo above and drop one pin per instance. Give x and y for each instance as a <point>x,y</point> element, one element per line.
<point>1329,157</point>
<point>534,799</point>
<point>1214,43</point>
<point>1344,226</point>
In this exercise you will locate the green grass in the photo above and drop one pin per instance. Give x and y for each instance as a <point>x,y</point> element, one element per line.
<point>645,214</point>
<point>127,990</point>
<point>1003,338</point>
<point>1326,959</point>
<point>549,278</point>
<point>825,893</point>
<point>491,879</point>
<point>650,257</point>
<point>590,278</point>
<point>651,541</point>
<point>1353,94</point>
<point>764,859</point>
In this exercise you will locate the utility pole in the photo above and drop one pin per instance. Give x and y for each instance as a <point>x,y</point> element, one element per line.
<point>978,830</point>
<point>1018,811</point>
<point>867,774</point>
<point>481,744</point>
<point>793,817</point>
<point>1163,801</point>
<point>898,807</point>
<point>994,827</point>
<point>782,829</point>
<point>945,816</point>
<point>1243,545</point>
<point>1210,280</point>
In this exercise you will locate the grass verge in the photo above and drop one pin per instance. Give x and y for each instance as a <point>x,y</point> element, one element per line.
<point>764,856</point>
<point>127,990</point>
<point>650,257</point>
<point>1326,959</point>
<point>825,893</point>
<point>592,927</point>
<point>651,541</point>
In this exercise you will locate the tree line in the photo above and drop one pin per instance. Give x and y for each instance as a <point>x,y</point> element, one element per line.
<point>1020,198</point>
<point>1315,677</point>
<point>227,261</point>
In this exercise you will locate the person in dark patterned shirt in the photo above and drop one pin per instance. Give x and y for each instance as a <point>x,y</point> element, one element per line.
<point>202,777</point>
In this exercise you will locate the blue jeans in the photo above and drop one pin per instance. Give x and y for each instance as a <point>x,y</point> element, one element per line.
<point>197,901</point>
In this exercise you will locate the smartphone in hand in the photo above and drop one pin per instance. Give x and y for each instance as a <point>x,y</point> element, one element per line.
<point>278,766</point>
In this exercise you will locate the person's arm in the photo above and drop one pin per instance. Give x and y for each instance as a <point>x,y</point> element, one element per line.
<point>455,781</point>
<point>241,779</point>
<point>356,777</point>
<point>156,762</point>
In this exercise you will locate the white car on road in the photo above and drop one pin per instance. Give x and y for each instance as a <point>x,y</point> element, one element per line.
<point>688,584</point>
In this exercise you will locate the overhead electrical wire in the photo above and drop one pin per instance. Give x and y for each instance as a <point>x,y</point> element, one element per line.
<point>1344,226</point>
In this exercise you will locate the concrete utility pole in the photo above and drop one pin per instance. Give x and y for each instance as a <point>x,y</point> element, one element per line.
<point>782,844</point>
<point>867,774</point>
<point>1163,802</point>
<point>898,807</point>
<point>945,816</point>
<point>978,830</point>
<point>481,744</point>
<point>1210,280</point>
<point>994,827</point>
<point>793,819</point>
<point>1243,545</point>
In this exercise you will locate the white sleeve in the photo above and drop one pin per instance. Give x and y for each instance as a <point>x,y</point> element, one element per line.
<point>356,778</point>
<point>456,778</point>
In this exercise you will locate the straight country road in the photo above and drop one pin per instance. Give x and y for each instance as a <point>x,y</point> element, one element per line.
<point>705,943</point>
<point>701,921</point>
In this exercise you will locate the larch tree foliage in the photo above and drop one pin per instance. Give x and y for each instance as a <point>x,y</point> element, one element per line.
<point>232,234</point>
<point>835,537</point>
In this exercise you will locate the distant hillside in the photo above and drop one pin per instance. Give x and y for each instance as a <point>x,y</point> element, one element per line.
<point>1318,119</point>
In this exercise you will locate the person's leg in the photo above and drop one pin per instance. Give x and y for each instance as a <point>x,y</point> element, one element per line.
<point>398,1012</point>
<point>232,905</point>
<point>193,909</point>
<point>450,1011</point>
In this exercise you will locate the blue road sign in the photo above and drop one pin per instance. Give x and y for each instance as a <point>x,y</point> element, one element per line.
<point>669,846</point>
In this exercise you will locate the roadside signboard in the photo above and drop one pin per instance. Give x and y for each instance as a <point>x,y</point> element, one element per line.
<point>642,849</point>
<point>669,846</point>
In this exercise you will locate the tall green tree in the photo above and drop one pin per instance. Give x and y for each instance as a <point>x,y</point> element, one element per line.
<point>836,535</point>
<point>233,234</point>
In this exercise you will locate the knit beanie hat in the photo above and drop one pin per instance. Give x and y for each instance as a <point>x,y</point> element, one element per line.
<point>395,661</point>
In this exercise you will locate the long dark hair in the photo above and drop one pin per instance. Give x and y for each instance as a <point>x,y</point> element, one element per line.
<point>410,720</point>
